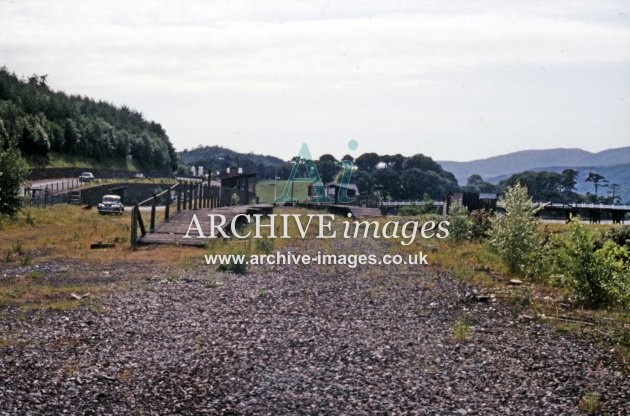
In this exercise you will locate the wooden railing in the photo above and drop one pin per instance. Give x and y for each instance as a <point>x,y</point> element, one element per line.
<point>183,196</point>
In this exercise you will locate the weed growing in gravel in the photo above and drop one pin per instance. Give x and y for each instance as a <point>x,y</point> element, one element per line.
<point>520,297</point>
<point>35,274</point>
<point>212,283</point>
<point>262,292</point>
<point>25,260</point>
<point>234,267</point>
<point>460,330</point>
<point>590,403</point>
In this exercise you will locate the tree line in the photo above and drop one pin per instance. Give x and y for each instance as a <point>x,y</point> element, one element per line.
<point>39,121</point>
<point>552,186</point>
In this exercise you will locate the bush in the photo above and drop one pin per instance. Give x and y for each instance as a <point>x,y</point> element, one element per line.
<point>410,210</point>
<point>596,276</point>
<point>515,236</point>
<point>12,173</point>
<point>481,221</point>
<point>460,225</point>
<point>619,235</point>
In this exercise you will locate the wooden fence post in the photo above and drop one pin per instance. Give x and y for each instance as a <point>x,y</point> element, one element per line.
<point>168,205</point>
<point>143,230</point>
<point>153,205</point>
<point>134,227</point>
<point>195,195</point>
<point>190,197</point>
<point>184,196</point>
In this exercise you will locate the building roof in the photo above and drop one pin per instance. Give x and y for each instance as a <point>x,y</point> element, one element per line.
<point>487,196</point>
<point>350,186</point>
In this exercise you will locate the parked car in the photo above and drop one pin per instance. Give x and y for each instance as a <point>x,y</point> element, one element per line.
<point>86,177</point>
<point>138,175</point>
<point>111,204</point>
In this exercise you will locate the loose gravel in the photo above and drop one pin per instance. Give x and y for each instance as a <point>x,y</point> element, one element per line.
<point>297,340</point>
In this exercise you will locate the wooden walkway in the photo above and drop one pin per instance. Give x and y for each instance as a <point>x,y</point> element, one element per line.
<point>171,232</point>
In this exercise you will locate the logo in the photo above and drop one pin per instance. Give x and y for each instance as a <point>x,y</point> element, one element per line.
<point>304,161</point>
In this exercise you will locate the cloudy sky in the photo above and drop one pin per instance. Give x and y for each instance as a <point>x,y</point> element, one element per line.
<point>456,80</point>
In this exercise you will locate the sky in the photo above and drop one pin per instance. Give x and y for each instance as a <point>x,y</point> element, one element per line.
<point>455,80</point>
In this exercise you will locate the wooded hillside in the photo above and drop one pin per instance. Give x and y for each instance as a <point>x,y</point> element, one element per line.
<point>40,121</point>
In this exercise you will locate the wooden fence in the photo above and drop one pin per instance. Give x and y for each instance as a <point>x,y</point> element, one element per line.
<point>181,196</point>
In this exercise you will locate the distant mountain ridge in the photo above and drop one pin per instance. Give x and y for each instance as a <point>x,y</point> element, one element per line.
<point>550,159</point>
<point>218,158</point>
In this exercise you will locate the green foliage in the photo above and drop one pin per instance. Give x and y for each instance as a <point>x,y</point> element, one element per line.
<point>397,177</point>
<point>541,186</point>
<point>619,235</point>
<point>264,245</point>
<point>234,267</point>
<point>39,121</point>
<point>514,235</point>
<point>590,403</point>
<point>427,207</point>
<point>596,276</point>
<point>411,210</point>
<point>460,225</point>
<point>481,221</point>
<point>475,183</point>
<point>460,329</point>
<point>12,174</point>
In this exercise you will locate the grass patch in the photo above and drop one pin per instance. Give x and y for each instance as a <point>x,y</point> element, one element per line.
<point>211,283</point>
<point>590,403</point>
<point>460,331</point>
<point>56,160</point>
<point>265,190</point>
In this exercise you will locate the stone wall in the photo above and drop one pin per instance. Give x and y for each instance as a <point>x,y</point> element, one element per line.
<point>133,192</point>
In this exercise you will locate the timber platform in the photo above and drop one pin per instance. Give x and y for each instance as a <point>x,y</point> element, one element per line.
<point>173,230</point>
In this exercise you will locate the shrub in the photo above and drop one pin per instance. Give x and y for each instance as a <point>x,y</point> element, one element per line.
<point>515,236</point>
<point>619,235</point>
<point>460,225</point>
<point>616,260</point>
<point>595,276</point>
<point>234,267</point>
<point>13,172</point>
<point>264,245</point>
<point>481,221</point>
<point>590,403</point>
<point>410,210</point>
<point>460,330</point>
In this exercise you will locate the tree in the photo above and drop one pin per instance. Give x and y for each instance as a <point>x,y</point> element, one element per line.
<point>422,162</point>
<point>475,183</point>
<point>597,180</point>
<point>568,182</point>
<point>387,182</point>
<point>541,186</point>
<point>615,190</point>
<point>514,235</point>
<point>364,181</point>
<point>396,162</point>
<point>367,162</point>
<point>327,167</point>
<point>13,171</point>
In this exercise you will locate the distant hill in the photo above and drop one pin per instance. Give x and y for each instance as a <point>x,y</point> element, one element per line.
<point>619,174</point>
<point>219,158</point>
<point>516,162</point>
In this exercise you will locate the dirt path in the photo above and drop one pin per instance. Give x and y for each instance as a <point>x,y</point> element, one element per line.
<point>297,340</point>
